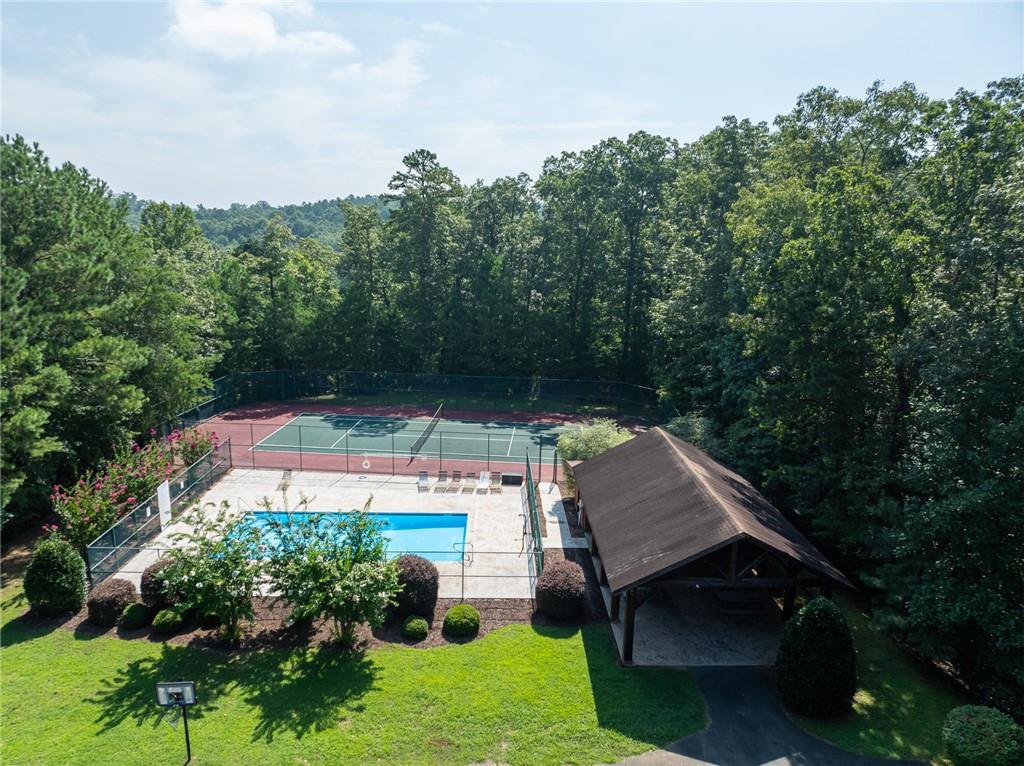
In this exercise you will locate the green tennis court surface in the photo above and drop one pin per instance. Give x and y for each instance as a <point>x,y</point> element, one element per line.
<point>381,435</point>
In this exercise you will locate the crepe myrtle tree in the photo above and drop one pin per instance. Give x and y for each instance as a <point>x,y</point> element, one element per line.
<point>216,568</point>
<point>330,566</point>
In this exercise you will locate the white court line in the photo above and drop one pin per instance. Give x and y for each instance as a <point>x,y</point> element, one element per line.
<point>511,439</point>
<point>254,446</point>
<point>345,434</point>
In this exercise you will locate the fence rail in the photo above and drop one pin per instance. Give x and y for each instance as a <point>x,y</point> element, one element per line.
<point>592,397</point>
<point>130,534</point>
<point>533,533</point>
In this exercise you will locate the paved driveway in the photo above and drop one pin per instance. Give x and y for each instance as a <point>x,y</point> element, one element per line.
<point>749,728</point>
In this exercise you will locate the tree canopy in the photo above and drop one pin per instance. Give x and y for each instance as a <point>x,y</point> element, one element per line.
<point>834,303</point>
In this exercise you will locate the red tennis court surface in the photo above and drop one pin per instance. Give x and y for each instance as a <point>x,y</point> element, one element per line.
<point>269,436</point>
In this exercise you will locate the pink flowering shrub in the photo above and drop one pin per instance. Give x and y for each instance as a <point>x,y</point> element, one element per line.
<point>192,443</point>
<point>90,506</point>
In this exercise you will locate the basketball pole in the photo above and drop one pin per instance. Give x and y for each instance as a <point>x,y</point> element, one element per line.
<point>188,742</point>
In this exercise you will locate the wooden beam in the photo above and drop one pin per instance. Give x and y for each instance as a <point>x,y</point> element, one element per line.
<point>734,552</point>
<point>616,599</point>
<point>752,564</point>
<point>754,583</point>
<point>629,626</point>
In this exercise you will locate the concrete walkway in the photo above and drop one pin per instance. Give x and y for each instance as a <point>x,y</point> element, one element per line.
<point>749,728</point>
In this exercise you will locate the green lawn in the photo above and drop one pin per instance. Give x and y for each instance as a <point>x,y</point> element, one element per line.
<point>899,709</point>
<point>521,695</point>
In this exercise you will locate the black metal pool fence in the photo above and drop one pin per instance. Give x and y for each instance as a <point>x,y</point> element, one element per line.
<point>458,392</point>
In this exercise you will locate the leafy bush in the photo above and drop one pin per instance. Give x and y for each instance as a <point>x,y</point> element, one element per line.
<point>418,578</point>
<point>816,667</point>
<point>55,578</point>
<point>191,444</point>
<point>217,570</point>
<point>415,628</point>
<point>462,621</point>
<point>168,621</point>
<point>108,600</point>
<point>592,439</point>
<point>154,595</point>
<point>333,566</point>
<point>134,616</point>
<point>560,590</point>
<point>209,621</point>
<point>976,735</point>
<point>699,430</point>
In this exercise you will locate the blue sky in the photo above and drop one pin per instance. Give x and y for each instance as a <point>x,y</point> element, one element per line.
<point>205,102</point>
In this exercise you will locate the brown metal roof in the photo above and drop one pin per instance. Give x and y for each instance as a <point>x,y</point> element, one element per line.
<point>656,502</point>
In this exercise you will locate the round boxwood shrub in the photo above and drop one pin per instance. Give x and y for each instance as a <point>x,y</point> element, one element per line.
<point>152,586</point>
<point>816,667</point>
<point>167,621</point>
<point>55,578</point>
<point>462,621</point>
<point>976,735</point>
<point>415,628</point>
<point>108,600</point>
<point>560,590</point>
<point>418,578</point>
<point>135,616</point>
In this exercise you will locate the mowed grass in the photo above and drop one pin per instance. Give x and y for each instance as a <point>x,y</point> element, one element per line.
<point>899,708</point>
<point>521,695</point>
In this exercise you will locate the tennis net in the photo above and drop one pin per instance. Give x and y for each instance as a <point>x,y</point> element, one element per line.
<point>422,438</point>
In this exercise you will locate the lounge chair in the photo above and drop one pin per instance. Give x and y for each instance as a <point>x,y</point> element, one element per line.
<point>423,483</point>
<point>485,478</point>
<point>496,482</point>
<point>471,480</point>
<point>441,485</point>
<point>456,483</point>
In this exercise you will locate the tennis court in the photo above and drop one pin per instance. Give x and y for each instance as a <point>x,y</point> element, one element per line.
<point>422,439</point>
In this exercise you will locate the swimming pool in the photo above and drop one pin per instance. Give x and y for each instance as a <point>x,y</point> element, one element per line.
<point>435,536</point>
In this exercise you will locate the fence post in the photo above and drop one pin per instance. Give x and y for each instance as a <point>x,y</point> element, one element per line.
<point>300,448</point>
<point>252,445</point>
<point>392,453</point>
<point>488,452</point>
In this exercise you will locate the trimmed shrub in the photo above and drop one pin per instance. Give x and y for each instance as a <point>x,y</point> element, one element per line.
<point>168,621</point>
<point>415,628</point>
<point>560,590</point>
<point>135,616</point>
<point>55,578</point>
<point>462,621</point>
<point>152,586</point>
<point>976,735</point>
<point>108,600</point>
<point>418,578</point>
<point>816,668</point>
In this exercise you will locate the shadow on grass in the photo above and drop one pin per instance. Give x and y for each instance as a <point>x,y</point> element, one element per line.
<point>291,692</point>
<point>649,705</point>
<point>29,626</point>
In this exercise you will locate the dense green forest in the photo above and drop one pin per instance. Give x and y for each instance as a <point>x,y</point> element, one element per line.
<point>227,227</point>
<point>835,304</point>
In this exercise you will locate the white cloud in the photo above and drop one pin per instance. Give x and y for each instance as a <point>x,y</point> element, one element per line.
<point>391,82</point>
<point>233,30</point>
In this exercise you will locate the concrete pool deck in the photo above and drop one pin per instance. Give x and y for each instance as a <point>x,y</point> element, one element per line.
<point>496,564</point>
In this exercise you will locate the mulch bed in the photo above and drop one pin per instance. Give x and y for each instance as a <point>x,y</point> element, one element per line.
<point>269,630</point>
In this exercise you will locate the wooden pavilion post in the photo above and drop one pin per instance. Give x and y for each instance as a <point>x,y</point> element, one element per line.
<point>616,600</point>
<point>628,626</point>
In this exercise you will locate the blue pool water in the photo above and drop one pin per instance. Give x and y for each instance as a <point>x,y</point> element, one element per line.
<point>435,536</point>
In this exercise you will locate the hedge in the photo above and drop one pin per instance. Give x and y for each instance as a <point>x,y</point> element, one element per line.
<point>415,628</point>
<point>108,601</point>
<point>152,586</point>
<point>560,590</point>
<point>168,621</point>
<point>816,667</point>
<point>135,616</point>
<point>462,621</point>
<point>55,578</point>
<point>976,735</point>
<point>418,579</point>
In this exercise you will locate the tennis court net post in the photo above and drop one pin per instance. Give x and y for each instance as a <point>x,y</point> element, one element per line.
<point>422,438</point>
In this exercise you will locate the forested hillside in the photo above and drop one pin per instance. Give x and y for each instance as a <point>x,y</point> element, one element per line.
<point>226,227</point>
<point>835,303</point>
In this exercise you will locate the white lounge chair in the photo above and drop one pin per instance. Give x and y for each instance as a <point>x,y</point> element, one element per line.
<point>471,480</point>
<point>441,485</point>
<point>456,483</point>
<point>485,478</point>
<point>423,484</point>
<point>496,482</point>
